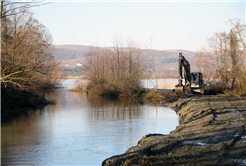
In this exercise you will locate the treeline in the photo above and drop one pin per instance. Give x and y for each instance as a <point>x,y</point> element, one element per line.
<point>223,63</point>
<point>115,71</point>
<point>27,62</point>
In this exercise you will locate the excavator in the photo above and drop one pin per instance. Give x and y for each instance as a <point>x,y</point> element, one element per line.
<point>193,82</point>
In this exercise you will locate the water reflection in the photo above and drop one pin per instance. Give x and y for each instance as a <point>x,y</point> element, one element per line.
<point>79,130</point>
<point>119,108</point>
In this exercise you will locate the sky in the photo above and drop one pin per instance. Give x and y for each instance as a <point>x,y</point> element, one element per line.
<point>160,25</point>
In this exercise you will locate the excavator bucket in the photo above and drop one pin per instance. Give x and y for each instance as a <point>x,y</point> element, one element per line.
<point>179,89</point>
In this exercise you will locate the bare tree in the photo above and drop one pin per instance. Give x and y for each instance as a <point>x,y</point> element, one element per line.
<point>115,71</point>
<point>11,7</point>
<point>234,54</point>
<point>218,48</point>
<point>225,57</point>
<point>203,64</point>
<point>26,51</point>
<point>240,31</point>
<point>238,35</point>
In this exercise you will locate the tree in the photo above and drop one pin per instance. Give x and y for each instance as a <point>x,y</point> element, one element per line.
<point>218,57</point>
<point>238,42</point>
<point>239,30</point>
<point>10,7</point>
<point>225,57</point>
<point>203,64</point>
<point>26,48</point>
<point>117,70</point>
<point>234,55</point>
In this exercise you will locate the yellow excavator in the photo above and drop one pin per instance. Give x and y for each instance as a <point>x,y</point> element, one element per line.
<point>193,82</point>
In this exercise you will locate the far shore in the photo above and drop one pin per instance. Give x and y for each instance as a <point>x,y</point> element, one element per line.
<point>165,85</point>
<point>73,79</point>
<point>160,79</point>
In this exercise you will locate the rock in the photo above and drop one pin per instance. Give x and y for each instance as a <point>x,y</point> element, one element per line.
<point>212,131</point>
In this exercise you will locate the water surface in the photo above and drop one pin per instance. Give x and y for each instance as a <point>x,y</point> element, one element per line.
<point>79,130</point>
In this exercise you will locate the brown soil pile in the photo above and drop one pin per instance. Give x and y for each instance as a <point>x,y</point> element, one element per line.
<point>212,131</point>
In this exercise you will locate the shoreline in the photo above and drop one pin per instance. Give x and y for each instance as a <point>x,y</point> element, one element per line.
<point>161,79</point>
<point>152,80</point>
<point>212,131</point>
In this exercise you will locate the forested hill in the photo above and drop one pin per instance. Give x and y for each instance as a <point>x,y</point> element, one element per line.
<point>164,59</point>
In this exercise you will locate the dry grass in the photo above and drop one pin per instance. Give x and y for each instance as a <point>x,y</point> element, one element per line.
<point>79,86</point>
<point>216,87</point>
<point>161,96</point>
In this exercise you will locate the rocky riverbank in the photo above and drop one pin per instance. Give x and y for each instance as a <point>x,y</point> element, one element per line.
<point>212,131</point>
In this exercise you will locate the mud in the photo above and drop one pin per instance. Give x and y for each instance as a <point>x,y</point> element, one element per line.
<point>212,131</point>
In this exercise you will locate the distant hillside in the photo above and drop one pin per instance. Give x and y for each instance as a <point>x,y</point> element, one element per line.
<point>68,52</point>
<point>73,54</point>
<point>166,61</point>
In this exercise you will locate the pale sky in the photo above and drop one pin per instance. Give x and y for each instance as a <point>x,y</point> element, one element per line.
<point>170,24</point>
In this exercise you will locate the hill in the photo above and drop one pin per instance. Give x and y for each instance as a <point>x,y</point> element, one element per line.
<point>166,61</point>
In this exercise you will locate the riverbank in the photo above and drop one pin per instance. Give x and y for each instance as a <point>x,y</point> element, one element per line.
<point>168,83</point>
<point>13,101</point>
<point>212,131</point>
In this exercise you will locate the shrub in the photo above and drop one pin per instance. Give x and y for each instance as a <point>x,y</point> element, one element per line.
<point>114,72</point>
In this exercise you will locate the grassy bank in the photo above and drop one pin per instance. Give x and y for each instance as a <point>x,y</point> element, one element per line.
<point>111,89</point>
<point>139,93</point>
<point>150,96</point>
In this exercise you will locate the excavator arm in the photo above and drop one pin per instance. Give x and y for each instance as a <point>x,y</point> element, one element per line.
<point>180,88</point>
<point>184,63</point>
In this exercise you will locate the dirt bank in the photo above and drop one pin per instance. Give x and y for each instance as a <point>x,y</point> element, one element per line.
<point>212,131</point>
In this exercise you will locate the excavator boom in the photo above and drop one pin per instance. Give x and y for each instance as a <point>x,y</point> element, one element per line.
<point>184,63</point>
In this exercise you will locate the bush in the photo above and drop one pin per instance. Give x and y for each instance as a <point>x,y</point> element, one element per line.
<point>114,72</point>
<point>214,87</point>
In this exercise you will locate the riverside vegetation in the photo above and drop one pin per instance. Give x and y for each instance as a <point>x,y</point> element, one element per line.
<point>27,63</point>
<point>114,71</point>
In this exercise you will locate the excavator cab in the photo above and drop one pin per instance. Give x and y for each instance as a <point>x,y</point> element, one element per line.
<point>196,80</point>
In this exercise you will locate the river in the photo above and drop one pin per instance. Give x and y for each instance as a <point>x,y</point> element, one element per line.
<point>79,129</point>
